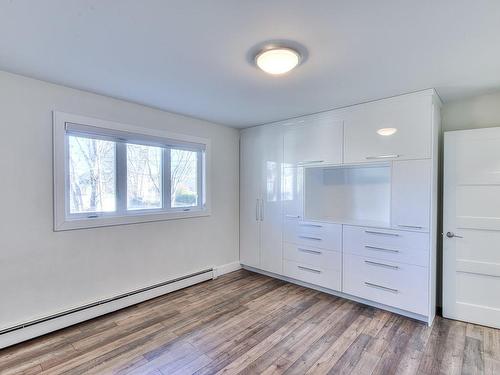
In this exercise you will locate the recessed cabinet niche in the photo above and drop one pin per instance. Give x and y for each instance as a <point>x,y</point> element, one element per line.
<point>349,194</point>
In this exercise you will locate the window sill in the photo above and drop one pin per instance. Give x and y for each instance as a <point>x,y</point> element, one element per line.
<point>86,223</point>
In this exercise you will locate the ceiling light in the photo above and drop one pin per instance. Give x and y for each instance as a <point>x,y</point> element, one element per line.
<point>387,131</point>
<point>277,60</point>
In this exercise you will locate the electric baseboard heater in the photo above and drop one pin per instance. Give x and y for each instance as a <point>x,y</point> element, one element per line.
<point>31,329</point>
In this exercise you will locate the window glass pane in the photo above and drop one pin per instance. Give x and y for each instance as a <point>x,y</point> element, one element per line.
<point>144,177</point>
<point>184,178</point>
<point>92,176</point>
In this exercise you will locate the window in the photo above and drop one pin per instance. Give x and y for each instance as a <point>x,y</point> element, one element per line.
<point>107,173</point>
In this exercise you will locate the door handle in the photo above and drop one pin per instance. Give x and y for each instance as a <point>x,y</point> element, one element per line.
<point>382,233</point>
<point>381,287</point>
<point>308,269</point>
<point>410,226</point>
<point>262,210</point>
<point>309,162</point>
<point>257,209</point>
<point>452,235</point>
<point>311,238</point>
<point>309,251</point>
<point>381,265</point>
<point>383,156</point>
<point>381,249</point>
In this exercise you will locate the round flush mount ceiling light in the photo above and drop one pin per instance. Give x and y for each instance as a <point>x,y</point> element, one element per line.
<point>387,131</point>
<point>277,60</point>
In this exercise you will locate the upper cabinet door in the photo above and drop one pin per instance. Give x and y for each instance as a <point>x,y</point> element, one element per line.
<point>391,129</point>
<point>315,139</point>
<point>411,194</point>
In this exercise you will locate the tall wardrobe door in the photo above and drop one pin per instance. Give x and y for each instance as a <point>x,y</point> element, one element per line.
<point>272,219</point>
<point>250,198</point>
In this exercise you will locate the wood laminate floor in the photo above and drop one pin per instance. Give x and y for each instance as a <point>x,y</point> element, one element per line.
<point>252,324</point>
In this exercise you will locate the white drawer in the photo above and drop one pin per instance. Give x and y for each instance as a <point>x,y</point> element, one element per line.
<point>320,276</point>
<point>399,285</point>
<point>386,244</point>
<point>313,256</point>
<point>313,233</point>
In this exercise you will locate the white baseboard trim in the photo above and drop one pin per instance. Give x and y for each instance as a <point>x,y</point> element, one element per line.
<point>409,314</point>
<point>226,268</point>
<point>33,330</point>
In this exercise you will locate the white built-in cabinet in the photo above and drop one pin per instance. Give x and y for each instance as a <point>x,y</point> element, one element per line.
<point>329,202</point>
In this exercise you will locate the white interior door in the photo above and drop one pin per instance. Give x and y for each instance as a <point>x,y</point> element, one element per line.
<point>471,241</point>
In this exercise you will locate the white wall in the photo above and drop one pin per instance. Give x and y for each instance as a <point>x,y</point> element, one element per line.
<point>43,272</point>
<point>478,112</point>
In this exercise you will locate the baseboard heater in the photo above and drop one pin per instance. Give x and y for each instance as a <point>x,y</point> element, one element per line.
<point>41,326</point>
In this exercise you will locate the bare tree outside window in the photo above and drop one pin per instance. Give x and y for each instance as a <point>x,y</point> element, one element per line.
<point>184,182</point>
<point>92,177</point>
<point>144,177</point>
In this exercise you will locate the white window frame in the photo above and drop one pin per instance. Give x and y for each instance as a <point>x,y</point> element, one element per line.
<point>65,221</point>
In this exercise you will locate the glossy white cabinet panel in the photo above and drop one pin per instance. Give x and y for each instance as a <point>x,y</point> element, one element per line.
<point>313,256</point>
<point>271,159</point>
<point>394,284</point>
<point>313,233</point>
<point>315,139</point>
<point>293,192</point>
<point>321,276</point>
<point>410,115</point>
<point>250,196</point>
<point>411,194</point>
<point>261,210</point>
<point>397,246</point>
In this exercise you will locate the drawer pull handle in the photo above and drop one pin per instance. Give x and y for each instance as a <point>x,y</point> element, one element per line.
<point>311,238</point>
<point>308,269</point>
<point>381,265</point>
<point>381,287</point>
<point>312,225</point>
<point>382,233</point>
<point>410,226</point>
<point>309,162</point>
<point>382,156</point>
<point>293,216</point>
<point>309,251</point>
<point>381,249</point>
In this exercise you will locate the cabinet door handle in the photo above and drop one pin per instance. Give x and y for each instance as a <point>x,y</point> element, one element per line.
<point>310,251</point>
<point>310,162</point>
<point>381,287</point>
<point>262,210</point>
<point>311,238</point>
<point>257,205</point>
<point>381,265</point>
<point>382,233</point>
<point>308,269</point>
<point>391,156</point>
<point>409,226</point>
<point>381,249</point>
<point>312,225</point>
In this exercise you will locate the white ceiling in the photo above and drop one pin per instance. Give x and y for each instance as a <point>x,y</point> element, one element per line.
<point>191,56</point>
